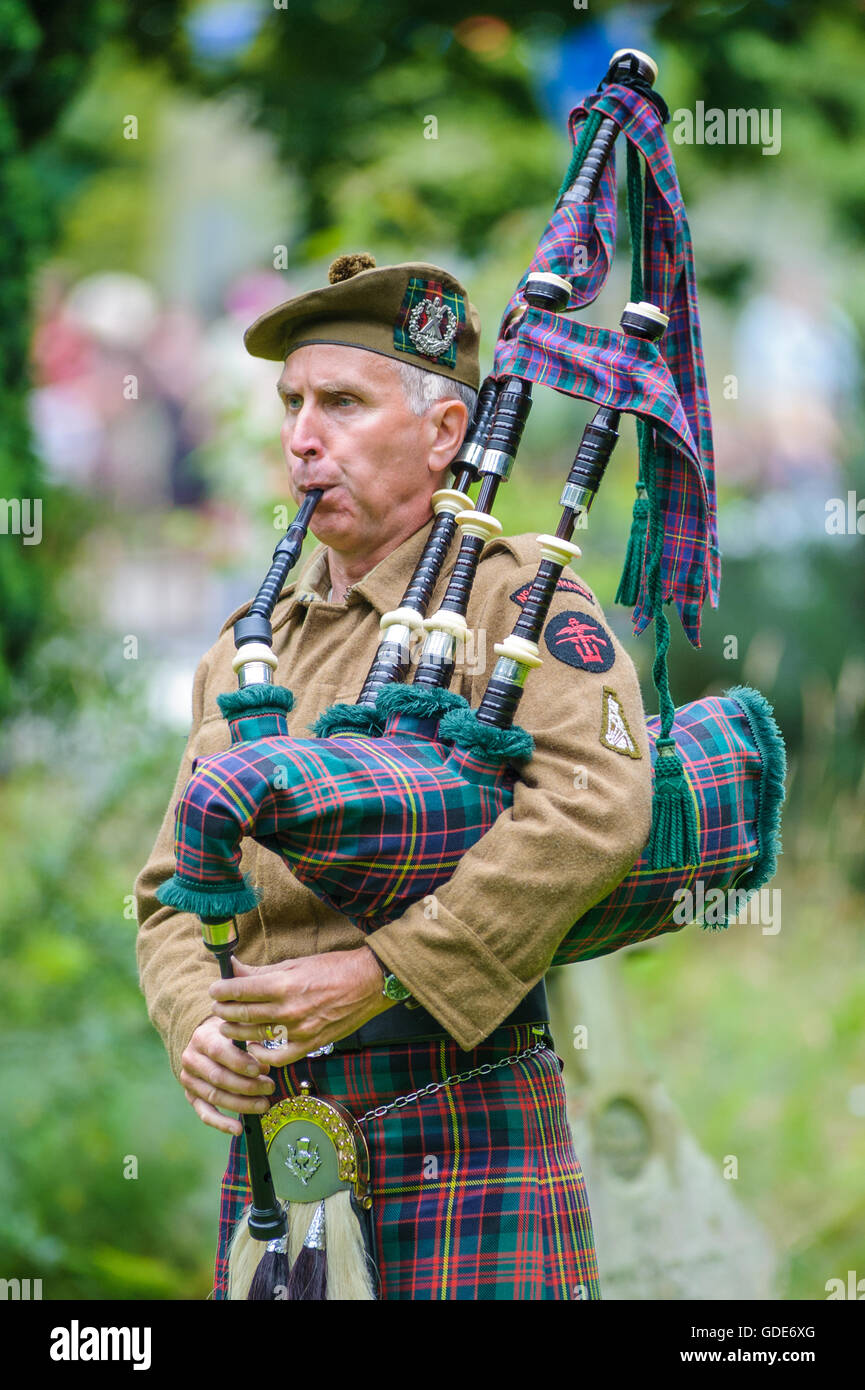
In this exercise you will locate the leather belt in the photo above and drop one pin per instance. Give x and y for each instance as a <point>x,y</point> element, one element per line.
<point>401,1024</point>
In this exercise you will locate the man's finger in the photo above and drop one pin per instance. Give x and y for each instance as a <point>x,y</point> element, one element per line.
<point>259,1032</point>
<point>205,1072</point>
<point>231,1011</point>
<point>212,1117</point>
<point>250,989</point>
<point>242,969</point>
<point>226,1100</point>
<point>218,1050</point>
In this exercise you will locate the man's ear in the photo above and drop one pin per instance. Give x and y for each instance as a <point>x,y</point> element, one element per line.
<point>449,419</point>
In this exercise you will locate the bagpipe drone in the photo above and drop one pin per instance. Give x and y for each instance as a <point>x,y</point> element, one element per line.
<point>376,810</point>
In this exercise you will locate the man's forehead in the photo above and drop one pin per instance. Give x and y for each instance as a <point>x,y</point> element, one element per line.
<point>328,364</point>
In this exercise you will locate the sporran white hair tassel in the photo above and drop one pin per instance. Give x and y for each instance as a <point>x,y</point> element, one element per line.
<point>246,1256</point>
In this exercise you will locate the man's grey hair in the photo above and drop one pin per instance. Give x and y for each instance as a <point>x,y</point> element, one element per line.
<point>423,389</point>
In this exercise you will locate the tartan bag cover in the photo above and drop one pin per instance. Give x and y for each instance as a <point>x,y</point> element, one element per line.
<point>369,824</point>
<point>733,756</point>
<point>373,824</point>
<point>477,1191</point>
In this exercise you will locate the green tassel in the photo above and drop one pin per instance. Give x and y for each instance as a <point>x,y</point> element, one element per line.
<point>217,900</point>
<point>589,130</point>
<point>257,711</point>
<point>261,696</point>
<point>673,840</point>
<point>418,701</point>
<point>628,591</point>
<point>360,721</point>
<point>462,727</point>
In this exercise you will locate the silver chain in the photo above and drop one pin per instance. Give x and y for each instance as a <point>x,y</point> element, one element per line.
<point>430,1089</point>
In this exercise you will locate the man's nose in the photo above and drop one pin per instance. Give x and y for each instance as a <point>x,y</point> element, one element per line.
<point>302,431</point>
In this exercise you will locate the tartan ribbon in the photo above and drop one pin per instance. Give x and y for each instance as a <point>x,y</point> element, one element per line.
<point>529,346</point>
<point>605,366</point>
<point>590,227</point>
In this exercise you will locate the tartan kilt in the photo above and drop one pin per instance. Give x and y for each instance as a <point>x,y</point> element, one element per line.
<point>477,1190</point>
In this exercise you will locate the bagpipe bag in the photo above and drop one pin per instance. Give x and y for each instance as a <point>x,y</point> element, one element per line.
<point>734,762</point>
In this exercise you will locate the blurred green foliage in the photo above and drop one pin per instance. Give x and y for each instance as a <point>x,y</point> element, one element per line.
<point>106,1188</point>
<point>45,56</point>
<point>759,1043</point>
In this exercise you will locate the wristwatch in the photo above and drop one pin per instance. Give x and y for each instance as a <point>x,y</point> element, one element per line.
<point>393,988</point>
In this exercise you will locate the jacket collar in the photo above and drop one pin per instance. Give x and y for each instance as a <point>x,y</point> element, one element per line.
<point>382,587</point>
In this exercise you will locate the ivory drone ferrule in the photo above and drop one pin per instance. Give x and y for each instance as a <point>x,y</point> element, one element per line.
<point>450,499</point>
<point>547,277</point>
<point>479,524</point>
<point>558,550</point>
<point>254,664</point>
<point>519,649</point>
<point>401,617</point>
<point>454,624</point>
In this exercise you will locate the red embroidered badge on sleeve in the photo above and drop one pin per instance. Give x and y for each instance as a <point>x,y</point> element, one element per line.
<point>579,640</point>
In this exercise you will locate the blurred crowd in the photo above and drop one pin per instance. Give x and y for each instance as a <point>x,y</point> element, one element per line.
<point>131,392</point>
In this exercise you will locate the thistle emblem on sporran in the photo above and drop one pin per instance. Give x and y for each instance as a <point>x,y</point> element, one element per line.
<point>432,327</point>
<point>303,1160</point>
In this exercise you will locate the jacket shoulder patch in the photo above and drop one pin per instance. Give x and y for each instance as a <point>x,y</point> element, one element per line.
<point>615,733</point>
<point>580,640</point>
<point>564,586</point>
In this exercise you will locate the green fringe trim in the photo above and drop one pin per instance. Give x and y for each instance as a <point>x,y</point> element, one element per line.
<point>260,696</point>
<point>417,700</point>
<point>512,745</point>
<point>360,720</point>
<point>220,900</point>
<point>673,840</point>
<point>628,591</point>
<point>770,741</point>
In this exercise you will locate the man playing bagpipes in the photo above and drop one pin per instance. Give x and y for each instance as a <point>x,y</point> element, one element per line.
<point>397,1033</point>
<point>477,1190</point>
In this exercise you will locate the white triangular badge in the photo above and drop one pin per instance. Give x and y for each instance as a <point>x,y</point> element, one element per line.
<point>615,733</point>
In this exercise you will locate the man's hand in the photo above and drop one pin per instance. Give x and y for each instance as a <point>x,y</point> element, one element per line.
<point>215,1072</point>
<point>305,1002</point>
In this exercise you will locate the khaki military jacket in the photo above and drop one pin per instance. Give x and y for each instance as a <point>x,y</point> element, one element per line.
<point>580,817</point>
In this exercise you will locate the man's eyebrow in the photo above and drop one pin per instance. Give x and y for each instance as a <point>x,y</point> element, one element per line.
<point>327,388</point>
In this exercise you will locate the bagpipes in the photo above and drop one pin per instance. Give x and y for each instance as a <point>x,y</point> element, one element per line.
<point>376,810</point>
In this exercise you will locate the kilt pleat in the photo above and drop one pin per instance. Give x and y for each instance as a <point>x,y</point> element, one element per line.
<point>477,1190</point>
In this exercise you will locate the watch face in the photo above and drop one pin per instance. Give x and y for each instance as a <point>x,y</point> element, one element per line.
<point>394,989</point>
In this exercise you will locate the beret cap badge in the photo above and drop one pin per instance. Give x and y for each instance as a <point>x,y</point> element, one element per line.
<point>432,327</point>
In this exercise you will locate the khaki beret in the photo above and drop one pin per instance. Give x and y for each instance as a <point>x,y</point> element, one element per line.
<point>415,313</point>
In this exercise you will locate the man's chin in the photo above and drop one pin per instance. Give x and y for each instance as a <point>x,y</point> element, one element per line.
<point>331,528</point>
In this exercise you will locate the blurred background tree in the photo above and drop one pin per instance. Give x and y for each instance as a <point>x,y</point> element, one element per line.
<point>269,137</point>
